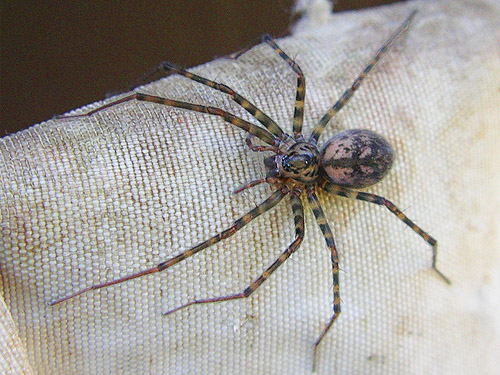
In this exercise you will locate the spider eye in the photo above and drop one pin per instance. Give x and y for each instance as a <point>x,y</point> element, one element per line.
<point>285,164</point>
<point>297,162</point>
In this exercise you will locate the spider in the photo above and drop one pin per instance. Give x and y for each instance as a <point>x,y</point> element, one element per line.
<point>350,160</point>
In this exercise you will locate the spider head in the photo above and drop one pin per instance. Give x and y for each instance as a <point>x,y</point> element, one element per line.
<point>300,162</point>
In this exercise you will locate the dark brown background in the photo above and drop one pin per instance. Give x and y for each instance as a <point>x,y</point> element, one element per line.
<point>60,55</point>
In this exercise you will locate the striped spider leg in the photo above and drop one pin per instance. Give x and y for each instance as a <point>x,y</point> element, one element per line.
<point>346,96</point>
<point>265,206</point>
<point>330,242</point>
<point>298,212</point>
<point>350,160</point>
<point>381,201</point>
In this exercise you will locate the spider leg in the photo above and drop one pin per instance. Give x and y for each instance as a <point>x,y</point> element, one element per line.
<point>298,211</point>
<point>266,205</point>
<point>377,199</point>
<point>327,233</point>
<point>236,55</point>
<point>257,148</point>
<point>248,185</point>
<point>265,120</point>
<point>346,96</point>
<point>298,115</point>
<point>250,128</point>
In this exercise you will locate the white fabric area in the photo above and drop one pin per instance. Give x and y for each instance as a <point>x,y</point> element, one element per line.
<point>88,200</point>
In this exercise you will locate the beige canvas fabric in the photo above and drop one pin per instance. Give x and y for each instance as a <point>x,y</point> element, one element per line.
<point>88,200</point>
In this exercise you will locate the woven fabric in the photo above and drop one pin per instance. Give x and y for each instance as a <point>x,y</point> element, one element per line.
<point>87,200</point>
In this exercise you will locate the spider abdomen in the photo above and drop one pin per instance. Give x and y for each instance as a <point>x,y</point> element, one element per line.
<point>356,158</point>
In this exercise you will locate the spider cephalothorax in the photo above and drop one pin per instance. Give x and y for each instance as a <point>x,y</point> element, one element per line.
<point>300,162</point>
<point>351,159</point>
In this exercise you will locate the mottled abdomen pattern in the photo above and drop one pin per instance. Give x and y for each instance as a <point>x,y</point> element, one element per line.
<point>356,158</point>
